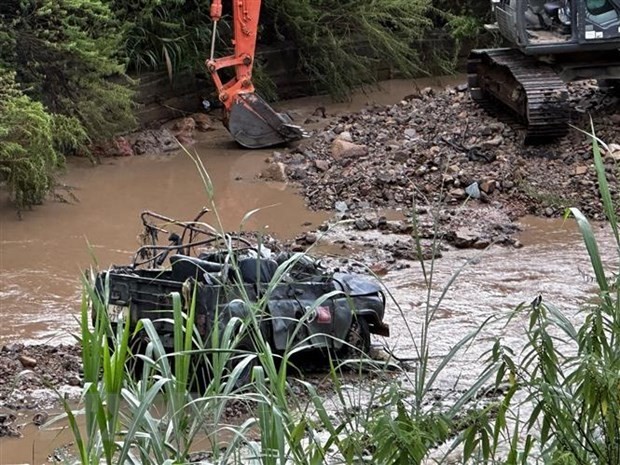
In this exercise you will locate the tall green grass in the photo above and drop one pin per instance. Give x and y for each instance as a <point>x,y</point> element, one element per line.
<point>153,406</point>
<point>563,401</point>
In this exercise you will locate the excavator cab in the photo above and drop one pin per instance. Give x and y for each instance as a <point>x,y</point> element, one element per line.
<point>252,122</point>
<point>552,43</point>
<point>560,26</point>
<point>599,20</point>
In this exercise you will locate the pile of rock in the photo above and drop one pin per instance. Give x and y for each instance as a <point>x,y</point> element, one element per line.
<point>156,141</point>
<point>439,146</point>
<point>29,372</point>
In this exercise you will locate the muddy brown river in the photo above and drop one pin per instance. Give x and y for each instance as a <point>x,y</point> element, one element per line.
<point>41,257</point>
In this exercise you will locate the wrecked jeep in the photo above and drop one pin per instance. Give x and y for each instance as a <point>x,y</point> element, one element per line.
<point>228,275</point>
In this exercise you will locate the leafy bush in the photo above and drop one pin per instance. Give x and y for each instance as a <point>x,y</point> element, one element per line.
<point>31,143</point>
<point>156,32</point>
<point>65,55</point>
<point>62,87</point>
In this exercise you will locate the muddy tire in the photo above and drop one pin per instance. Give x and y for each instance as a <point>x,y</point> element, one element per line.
<point>245,377</point>
<point>137,345</point>
<point>358,340</point>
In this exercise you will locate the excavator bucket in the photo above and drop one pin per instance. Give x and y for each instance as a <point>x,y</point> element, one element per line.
<point>254,124</point>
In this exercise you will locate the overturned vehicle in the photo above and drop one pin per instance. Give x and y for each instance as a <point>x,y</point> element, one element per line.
<point>293,300</point>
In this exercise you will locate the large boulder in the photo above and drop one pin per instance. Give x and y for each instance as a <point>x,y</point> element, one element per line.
<point>344,149</point>
<point>154,141</point>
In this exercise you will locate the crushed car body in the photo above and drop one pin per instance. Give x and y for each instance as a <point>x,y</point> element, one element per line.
<point>295,300</point>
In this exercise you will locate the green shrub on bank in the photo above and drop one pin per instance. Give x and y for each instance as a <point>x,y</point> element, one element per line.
<point>157,33</point>
<point>62,87</point>
<point>65,54</point>
<point>31,143</point>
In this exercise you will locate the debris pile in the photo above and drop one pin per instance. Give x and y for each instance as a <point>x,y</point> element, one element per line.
<point>439,146</point>
<point>28,374</point>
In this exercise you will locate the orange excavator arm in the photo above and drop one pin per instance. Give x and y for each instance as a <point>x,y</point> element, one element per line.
<point>251,120</point>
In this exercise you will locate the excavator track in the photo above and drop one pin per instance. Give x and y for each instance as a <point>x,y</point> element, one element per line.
<point>530,89</point>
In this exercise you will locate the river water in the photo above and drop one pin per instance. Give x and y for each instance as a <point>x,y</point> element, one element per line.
<point>42,256</point>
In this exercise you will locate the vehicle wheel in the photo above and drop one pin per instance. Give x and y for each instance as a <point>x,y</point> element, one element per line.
<point>137,345</point>
<point>358,340</point>
<point>245,377</point>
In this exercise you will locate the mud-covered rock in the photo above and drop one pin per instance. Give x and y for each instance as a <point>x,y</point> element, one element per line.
<point>116,147</point>
<point>202,122</point>
<point>153,142</point>
<point>344,149</point>
<point>183,130</point>
<point>274,172</point>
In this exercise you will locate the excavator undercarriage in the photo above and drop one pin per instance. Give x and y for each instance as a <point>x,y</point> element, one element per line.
<point>530,89</point>
<point>553,43</point>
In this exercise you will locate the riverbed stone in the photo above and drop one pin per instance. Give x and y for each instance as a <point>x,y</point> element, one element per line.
<point>27,362</point>
<point>465,238</point>
<point>345,136</point>
<point>458,194</point>
<point>581,170</point>
<point>275,172</point>
<point>493,142</point>
<point>614,151</point>
<point>343,149</point>
<point>322,165</point>
<point>488,186</point>
<point>473,190</point>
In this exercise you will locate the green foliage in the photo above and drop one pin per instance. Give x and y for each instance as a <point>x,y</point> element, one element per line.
<point>478,10</point>
<point>62,85</point>
<point>328,35</point>
<point>31,143</point>
<point>65,55</point>
<point>463,27</point>
<point>157,32</point>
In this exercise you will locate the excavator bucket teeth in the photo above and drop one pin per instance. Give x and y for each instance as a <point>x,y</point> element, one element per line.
<point>254,124</point>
